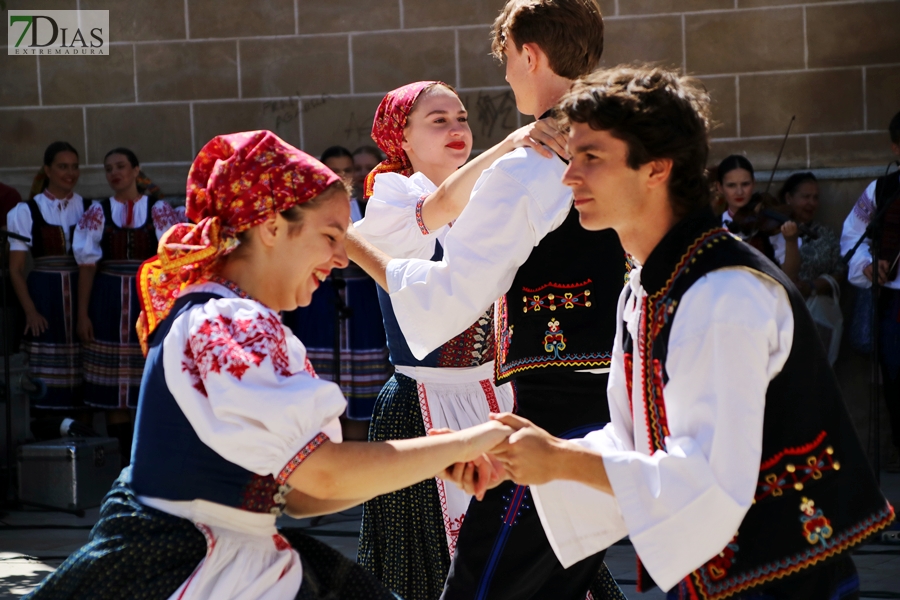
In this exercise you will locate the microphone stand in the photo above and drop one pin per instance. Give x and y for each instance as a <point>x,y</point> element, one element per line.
<point>341,312</point>
<point>7,384</point>
<point>874,232</point>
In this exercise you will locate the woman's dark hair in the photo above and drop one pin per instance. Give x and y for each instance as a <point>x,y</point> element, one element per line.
<point>894,129</point>
<point>55,148</point>
<point>335,152</point>
<point>132,158</point>
<point>730,163</point>
<point>793,182</point>
<point>371,151</point>
<point>658,114</point>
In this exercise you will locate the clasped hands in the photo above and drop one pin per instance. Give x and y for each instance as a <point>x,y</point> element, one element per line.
<point>526,456</point>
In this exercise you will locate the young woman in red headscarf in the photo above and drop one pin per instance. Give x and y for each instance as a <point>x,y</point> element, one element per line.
<point>408,537</point>
<point>233,426</point>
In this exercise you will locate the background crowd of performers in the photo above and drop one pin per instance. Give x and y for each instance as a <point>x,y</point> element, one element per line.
<point>427,356</point>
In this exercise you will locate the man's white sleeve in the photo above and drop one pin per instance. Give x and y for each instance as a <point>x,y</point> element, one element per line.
<point>731,335</point>
<point>514,204</point>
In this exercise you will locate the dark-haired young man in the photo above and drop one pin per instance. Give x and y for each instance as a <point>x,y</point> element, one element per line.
<point>518,239</point>
<point>730,460</point>
<point>859,273</point>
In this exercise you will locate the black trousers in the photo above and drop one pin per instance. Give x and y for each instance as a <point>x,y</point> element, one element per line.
<point>502,550</point>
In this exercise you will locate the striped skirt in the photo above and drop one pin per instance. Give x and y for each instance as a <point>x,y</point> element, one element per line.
<point>54,357</point>
<point>113,362</point>
<point>365,364</point>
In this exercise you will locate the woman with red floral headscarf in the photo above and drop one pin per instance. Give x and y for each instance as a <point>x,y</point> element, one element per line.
<point>233,427</point>
<point>408,537</point>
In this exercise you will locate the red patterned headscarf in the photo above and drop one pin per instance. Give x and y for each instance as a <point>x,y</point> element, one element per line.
<point>237,181</point>
<point>387,129</point>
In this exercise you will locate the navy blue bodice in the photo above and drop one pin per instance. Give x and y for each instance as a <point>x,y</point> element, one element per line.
<point>168,459</point>
<point>471,348</point>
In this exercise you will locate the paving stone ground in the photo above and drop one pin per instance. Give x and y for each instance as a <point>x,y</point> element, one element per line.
<point>27,555</point>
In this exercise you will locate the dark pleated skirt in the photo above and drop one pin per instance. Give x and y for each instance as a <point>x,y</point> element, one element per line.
<point>113,362</point>
<point>54,357</point>
<point>140,553</point>
<point>403,542</point>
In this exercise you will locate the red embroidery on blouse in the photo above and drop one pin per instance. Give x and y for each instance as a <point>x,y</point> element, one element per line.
<point>419,220</point>
<point>222,344</point>
<point>164,216</point>
<point>92,219</point>
<point>298,459</point>
<point>281,544</point>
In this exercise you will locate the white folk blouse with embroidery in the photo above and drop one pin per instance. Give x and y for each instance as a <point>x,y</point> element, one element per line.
<point>731,335</point>
<point>55,212</point>
<point>515,203</point>
<point>89,230</point>
<point>245,388</point>
<point>392,215</point>
<point>244,383</point>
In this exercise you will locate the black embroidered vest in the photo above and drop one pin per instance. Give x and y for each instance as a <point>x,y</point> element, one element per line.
<point>121,243</point>
<point>558,312</point>
<point>816,495</point>
<point>46,239</point>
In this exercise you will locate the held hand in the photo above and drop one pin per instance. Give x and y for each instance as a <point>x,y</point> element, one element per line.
<point>477,476</point>
<point>473,477</point>
<point>529,454</point>
<point>790,231</point>
<point>538,134</point>
<point>35,323</point>
<point>85,329</point>
<point>882,272</point>
<point>481,438</point>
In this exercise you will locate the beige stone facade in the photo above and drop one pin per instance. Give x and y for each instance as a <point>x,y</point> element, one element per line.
<point>313,71</point>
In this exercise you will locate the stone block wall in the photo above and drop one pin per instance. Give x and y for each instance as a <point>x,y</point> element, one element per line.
<point>313,71</point>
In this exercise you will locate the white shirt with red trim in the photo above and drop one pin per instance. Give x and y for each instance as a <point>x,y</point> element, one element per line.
<point>731,336</point>
<point>244,383</point>
<point>89,231</point>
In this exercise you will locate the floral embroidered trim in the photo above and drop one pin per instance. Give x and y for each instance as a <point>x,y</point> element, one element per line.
<point>718,566</point>
<point>562,286</point>
<point>794,476</point>
<point>698,585</point>
<point>230,285</point>
<point>554,340</point>
<point>234,346</point>
<point>567,300</point>
<point>816,528</point>
<point>164,216</point>
<point>92,219</point>
<point>298,459</point>
<point>487,386</point>
<point>419,220</point>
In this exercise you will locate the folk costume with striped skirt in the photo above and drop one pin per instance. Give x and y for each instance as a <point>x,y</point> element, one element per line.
<point>117,237</point>
<point>54,357</point>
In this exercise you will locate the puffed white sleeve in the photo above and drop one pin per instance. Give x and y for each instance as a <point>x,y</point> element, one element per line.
<point>244,383</point>
<point>393,221</point>
<point>88,234</point>
<point>18,220</point>
<point>855,226</point>
<point>164,216</point>
<point>683,505</point>
<point>514,204</point>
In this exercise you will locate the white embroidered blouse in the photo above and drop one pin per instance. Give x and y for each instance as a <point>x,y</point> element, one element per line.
<point>64,213</point>
<point>89,231</point>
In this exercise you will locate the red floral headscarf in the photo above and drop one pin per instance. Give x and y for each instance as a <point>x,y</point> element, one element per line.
<point>387,129</point>
<point>237,181</point>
